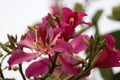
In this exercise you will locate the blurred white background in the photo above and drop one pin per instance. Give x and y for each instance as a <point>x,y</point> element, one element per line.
<point>16,15</point>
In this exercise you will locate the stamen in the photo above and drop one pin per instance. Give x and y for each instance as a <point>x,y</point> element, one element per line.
<point>71,21</point>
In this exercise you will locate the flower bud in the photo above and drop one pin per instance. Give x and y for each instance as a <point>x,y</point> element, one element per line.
<point>1,54</point>
<point>80,59</point>
<point>15,68</point>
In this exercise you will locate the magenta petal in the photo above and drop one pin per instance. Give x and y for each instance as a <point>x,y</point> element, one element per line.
<point>81,15</point>
<point>42,30</point>
<point>61,46</point>
<point>28,41</point>
<point>66,13</point>
<point>45,20</point>
<point>54,9</point>
<point>78,44</point>
<point>57,71</point>
<point>108,59</point>
<point>18,56</point>
<point>110,41</point>
<point>54,34</point>
<point>67,30</point>
<point>37,68</point>
<point>68,66</point>
<point>87,23</point>
<point>64,24</point>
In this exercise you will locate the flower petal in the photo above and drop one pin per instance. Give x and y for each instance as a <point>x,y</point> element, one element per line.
<point>37,68</point>
<point>45,20</point>
<point>66,13</point>
<point>67,30</point>
<point>64,24</point>
<point>110,41</point>
<point>28,41</point>
<point>62,46</point>
<point>42,30</point>
<point>81,15</point>
<point>55,9</point>
<point>54,34</point>
<point>78,43</point>
<point>108,59</point>
<point>68,66</point>
<point>18,56</point>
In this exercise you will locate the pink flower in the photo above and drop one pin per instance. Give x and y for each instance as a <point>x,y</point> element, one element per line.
<point>37,43</point>
<point>110,56</point>
<point>73,18</point>
<point>70,21</point>
<point>68,66</point>
<point>68,49</point>
<point>65,58</point>
<point>48,40</point>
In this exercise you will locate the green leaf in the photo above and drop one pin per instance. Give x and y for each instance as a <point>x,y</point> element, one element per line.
<point>115,13</point>
<point>9,79</point>
<point>116,35</point>
<point>95,20</point>
<point>78,7</point>
<point>116,76</point>
<point>96,17</point>
<point>106,73</point>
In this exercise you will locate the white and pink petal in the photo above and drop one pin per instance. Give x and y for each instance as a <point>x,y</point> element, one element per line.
<point>18,56</point>
<point>37,68</point>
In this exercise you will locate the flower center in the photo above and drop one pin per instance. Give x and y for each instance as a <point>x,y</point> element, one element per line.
<point>71,21</point>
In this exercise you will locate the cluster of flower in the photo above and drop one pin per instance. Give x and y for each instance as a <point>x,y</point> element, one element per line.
<point>57,39</point>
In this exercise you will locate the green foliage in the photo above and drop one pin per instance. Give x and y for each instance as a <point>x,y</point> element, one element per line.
<point>116,76</point>
<point>78,7</point>
<point>115,13</point>
<point>8,79</point>
<point>106,73</point>
<point>95,20</point>
<point>96,17</point>
<point>5,48</point>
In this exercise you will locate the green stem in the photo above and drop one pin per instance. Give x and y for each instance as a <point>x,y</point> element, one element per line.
<point>21,72</point>
<point>97,30</point>
<point>53,66</point>
<point>53,63</point>
<point>1,73</point>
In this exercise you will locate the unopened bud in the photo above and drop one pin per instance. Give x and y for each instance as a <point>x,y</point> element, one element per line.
<point>1,54</point>
<point>80,59</point>
<point>15,68</point>
<point>81,30</point>
<point>86,41</point>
